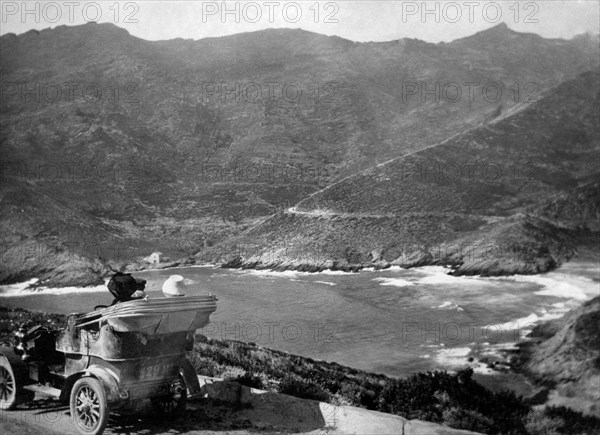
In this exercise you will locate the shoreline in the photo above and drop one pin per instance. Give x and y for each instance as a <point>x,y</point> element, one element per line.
<point>31,286</point>
<point>491,267</point>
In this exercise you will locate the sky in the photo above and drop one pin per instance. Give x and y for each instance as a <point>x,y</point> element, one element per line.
<point>362,20</point>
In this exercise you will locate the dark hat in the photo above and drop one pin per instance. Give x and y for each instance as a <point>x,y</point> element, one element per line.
<point>122,286</point>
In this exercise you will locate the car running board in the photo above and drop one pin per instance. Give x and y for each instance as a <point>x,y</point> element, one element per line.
<point>44,390</point>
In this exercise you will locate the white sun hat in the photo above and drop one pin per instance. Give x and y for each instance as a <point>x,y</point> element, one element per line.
<point>174,286</point>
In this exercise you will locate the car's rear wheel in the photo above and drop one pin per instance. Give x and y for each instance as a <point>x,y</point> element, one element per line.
<point>11,386</point>
<point>173,404</point>
<point>88,406</point>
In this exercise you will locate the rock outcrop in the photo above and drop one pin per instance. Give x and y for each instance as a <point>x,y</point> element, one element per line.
<point>565,355</point>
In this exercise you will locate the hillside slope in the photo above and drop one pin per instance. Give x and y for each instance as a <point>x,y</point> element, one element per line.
<point>480,201</point>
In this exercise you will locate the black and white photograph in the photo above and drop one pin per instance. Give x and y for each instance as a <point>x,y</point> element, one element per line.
<point>240,217</point>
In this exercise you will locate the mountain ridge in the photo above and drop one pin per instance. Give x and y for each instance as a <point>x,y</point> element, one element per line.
<point>497,29</point>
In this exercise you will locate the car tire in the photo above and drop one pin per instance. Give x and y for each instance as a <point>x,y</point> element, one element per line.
<point>89,409</point>
<point>12,380</point>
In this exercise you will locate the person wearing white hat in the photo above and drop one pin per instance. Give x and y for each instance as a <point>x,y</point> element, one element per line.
<point>174,286</point>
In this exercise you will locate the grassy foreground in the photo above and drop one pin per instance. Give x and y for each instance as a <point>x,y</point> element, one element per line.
<point>455,400</point>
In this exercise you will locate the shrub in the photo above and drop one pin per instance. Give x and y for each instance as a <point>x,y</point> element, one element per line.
<point>12,318</point>
<point>205,366</point>
<point>459,418</point>
<point>537,423</point>
<point>573,422</point>
<point>303,389</point>
<point>250,380</point>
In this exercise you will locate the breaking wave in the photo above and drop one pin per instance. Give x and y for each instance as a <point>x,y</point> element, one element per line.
<point>24,289</point>
<point>561,285</point>
<point>397,282</point>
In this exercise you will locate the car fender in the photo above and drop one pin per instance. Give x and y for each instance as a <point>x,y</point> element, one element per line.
<point>19,367</point>
<point>109,380</point>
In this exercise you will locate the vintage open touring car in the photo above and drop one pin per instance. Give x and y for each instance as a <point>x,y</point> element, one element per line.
<point>111,359</point>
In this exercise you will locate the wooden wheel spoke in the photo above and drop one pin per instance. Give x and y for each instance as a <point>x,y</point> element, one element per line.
<point>7,384</point>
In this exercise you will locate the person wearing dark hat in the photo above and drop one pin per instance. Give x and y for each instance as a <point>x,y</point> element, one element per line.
<point>125,287</point>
